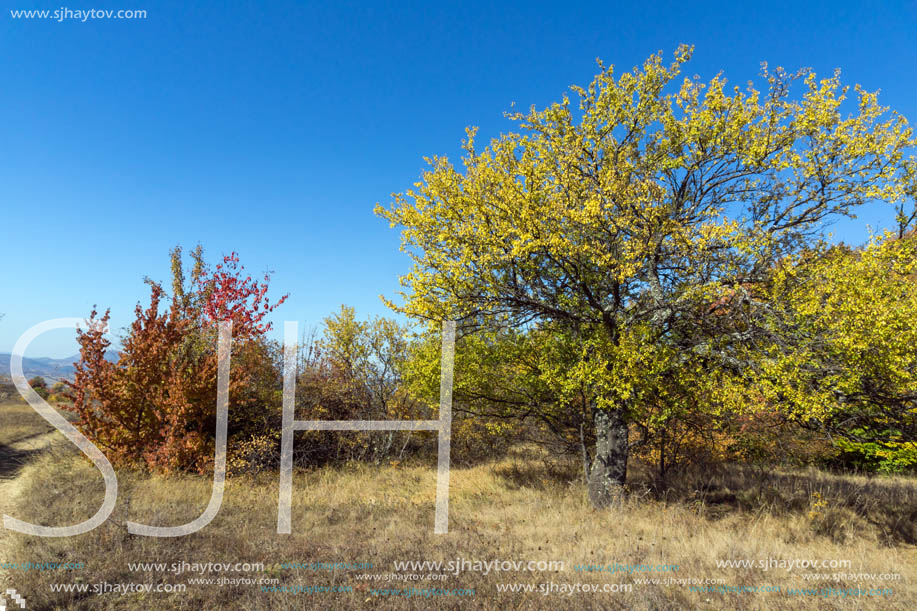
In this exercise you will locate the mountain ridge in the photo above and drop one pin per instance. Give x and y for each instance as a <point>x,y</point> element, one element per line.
<point>49,368</point>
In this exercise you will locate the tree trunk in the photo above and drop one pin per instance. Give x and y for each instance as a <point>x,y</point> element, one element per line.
<point>609,468</point>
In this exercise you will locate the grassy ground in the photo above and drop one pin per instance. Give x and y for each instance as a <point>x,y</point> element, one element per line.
<point>19,422</point>
<point>517,508</point>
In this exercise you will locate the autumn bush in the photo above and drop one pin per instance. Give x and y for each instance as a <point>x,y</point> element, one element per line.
<point>156,405</point>
<point>40,386</point>
<point>353,371</point>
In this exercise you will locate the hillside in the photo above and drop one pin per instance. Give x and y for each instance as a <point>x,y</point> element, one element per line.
<point>49,368</point>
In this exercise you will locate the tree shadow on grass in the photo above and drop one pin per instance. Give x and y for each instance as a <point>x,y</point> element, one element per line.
<point>534,468</point>
<point>833,502</point>
<point>12,460</point>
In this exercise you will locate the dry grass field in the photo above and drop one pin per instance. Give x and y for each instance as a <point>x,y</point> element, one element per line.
<point>520,507</point>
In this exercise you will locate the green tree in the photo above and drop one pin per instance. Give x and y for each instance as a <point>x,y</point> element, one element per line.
<point>644,224</point>
<point>506,380</point>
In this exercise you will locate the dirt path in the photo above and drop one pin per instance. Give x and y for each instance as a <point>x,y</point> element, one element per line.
<point>12,458</point>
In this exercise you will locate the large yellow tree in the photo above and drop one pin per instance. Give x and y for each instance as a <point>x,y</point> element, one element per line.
<point>643,219</point>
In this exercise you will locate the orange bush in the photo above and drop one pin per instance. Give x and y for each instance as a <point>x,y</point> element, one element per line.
<point>156,406</point>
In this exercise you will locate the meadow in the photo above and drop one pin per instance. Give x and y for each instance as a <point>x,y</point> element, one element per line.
<point>524,506</point>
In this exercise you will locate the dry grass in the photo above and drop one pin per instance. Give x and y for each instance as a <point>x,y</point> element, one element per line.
<point>21,434</point>
<point>519,508</point>
<point>18,421</point>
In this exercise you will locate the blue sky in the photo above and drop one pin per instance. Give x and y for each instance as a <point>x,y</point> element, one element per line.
<point>273,129</point>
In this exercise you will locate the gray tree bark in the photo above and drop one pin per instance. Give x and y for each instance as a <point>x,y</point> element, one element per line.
<point>609,468</point>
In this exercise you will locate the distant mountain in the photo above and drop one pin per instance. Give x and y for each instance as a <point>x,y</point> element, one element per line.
<point>48,368</point>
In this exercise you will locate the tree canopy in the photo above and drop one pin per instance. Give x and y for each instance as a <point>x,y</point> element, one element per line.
<point>645,221</point>
<point>843,357</point>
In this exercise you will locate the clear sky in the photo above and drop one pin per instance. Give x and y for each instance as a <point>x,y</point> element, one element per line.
<point>273,128</point>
